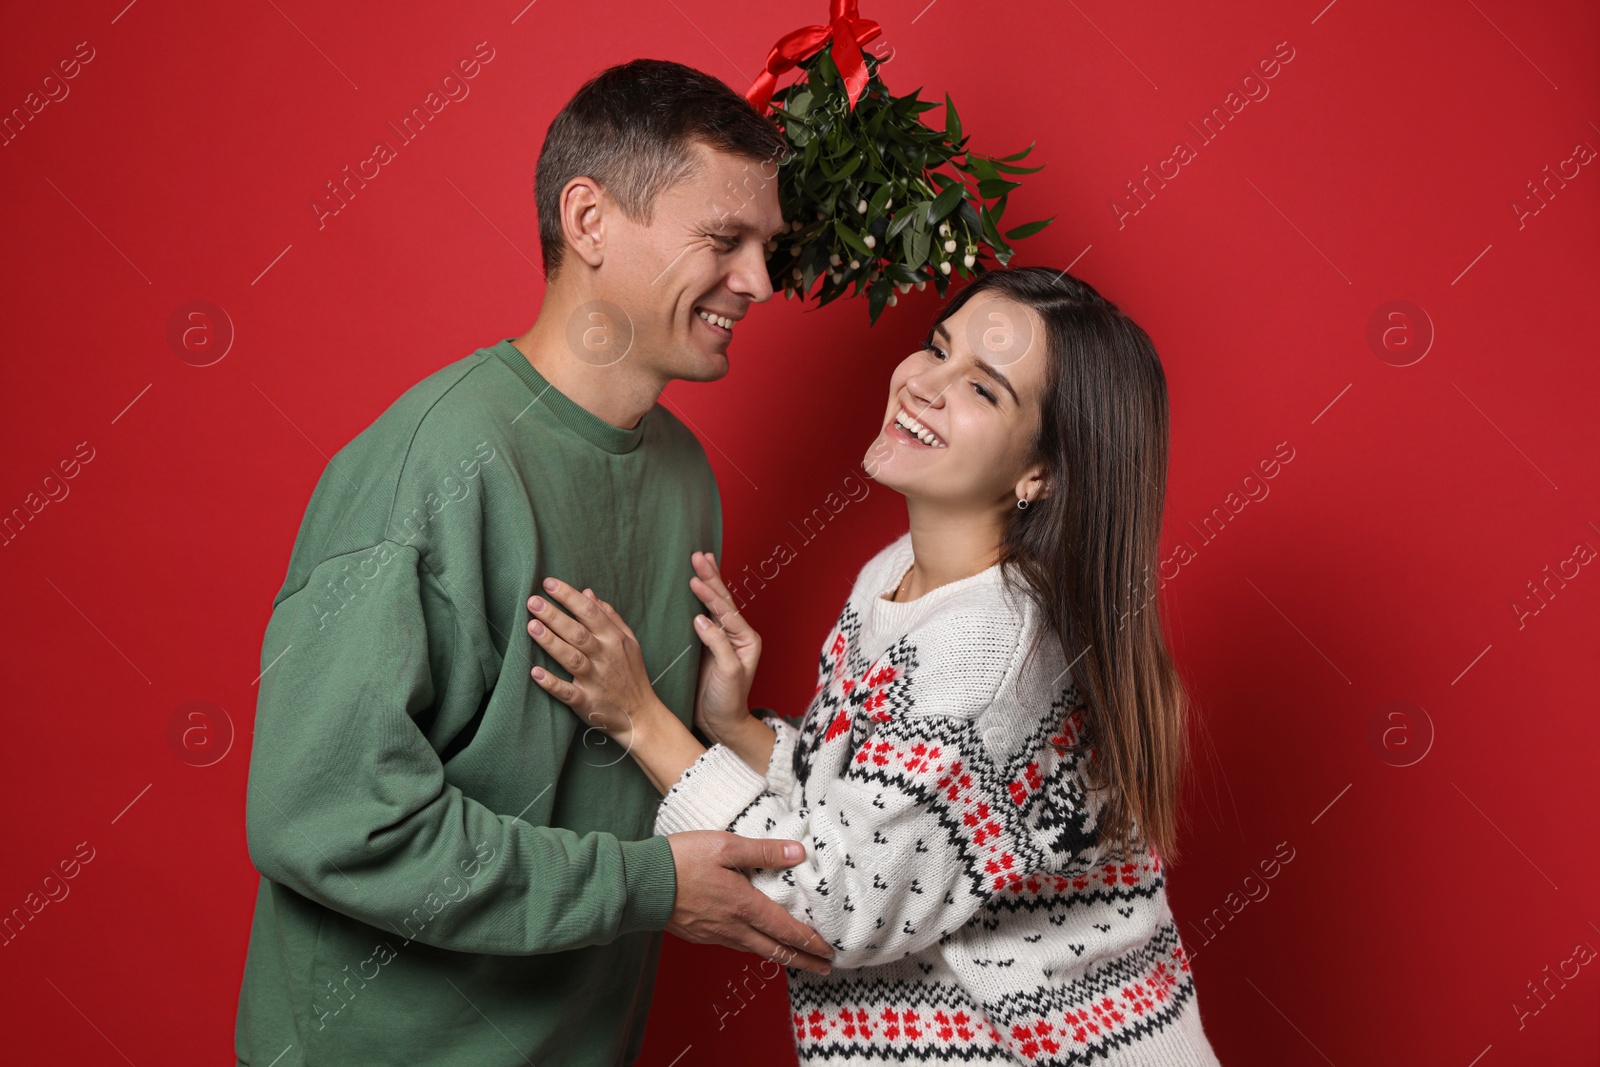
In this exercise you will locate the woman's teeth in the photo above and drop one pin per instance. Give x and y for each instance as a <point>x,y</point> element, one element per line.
<point>715,320</point>
<point>917,430</point>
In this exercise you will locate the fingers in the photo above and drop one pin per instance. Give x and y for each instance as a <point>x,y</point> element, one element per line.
<point>715,638</point>
<point>747,852</point>
<point>781,954</point>
<point>575,628</point>
<point>560,649</point>
<point>713,593</point>
<point>705,568</point>
<point>565,692</point>
<point>581,608</point>
<point>771,919</point>
<point>611,612</point>
<point>766,914</point>
<point>716,902</point>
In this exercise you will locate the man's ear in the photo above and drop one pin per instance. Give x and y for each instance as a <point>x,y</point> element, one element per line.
<point>583,209</point>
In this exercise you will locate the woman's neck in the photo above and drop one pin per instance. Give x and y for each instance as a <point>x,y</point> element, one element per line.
<point>946,547</point>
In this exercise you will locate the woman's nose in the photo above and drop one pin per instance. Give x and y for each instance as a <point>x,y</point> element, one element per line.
<point>928,385</point>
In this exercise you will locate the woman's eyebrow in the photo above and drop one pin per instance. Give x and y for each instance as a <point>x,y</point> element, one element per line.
<point>982,364</point>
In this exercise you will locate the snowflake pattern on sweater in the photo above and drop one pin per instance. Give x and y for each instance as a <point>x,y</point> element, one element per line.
<point>951,855</point>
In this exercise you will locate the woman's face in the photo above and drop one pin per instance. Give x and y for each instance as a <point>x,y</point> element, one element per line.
<point>972,398</point>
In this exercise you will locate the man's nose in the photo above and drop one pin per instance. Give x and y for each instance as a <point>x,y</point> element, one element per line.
<point>749,278</point>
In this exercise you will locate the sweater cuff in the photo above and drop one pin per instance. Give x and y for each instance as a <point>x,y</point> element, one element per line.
<point>710,794</point>
<point>780,768</point>
<point>651,882</point>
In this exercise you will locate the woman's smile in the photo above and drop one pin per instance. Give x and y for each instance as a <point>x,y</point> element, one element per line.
<point>905,429</point>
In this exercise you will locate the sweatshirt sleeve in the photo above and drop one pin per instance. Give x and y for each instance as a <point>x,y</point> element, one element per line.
<point>348,804</point>
<point>903,847</point>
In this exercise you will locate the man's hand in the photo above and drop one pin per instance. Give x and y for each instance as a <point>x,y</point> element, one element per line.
<point>716,904</point>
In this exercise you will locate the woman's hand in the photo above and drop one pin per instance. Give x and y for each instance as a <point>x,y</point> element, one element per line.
<point>732,650</point>
<point>610,688</point>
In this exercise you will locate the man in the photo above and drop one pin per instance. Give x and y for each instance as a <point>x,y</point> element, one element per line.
<point>453,870</point>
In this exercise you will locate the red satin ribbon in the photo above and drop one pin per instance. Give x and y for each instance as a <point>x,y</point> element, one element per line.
<point>845,29</point>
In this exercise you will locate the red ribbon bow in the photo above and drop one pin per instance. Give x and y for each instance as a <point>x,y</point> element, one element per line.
<point>845,29</point>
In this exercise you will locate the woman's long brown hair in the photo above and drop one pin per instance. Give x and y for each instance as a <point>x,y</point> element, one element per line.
<point>1087,550</point>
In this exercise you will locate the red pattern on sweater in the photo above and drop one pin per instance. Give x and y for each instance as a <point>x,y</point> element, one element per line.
<point>1031,1038</point>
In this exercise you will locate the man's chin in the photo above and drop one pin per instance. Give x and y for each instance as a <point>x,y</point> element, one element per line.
<point>702,366</point>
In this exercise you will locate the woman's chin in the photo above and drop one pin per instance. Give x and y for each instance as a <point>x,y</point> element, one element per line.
<point>917,484</point>
<point>896,463</point>
<point>879,465</point>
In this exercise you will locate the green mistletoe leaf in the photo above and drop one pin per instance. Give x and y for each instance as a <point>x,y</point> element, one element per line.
<point>853,239</point>
<point>952,121</point>
<point>1028,229</point>
<point>993,188</point>
<point>946,201</point>
<point>1013,157</point>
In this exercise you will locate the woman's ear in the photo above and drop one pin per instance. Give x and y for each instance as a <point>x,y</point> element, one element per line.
<point>1033,486</point>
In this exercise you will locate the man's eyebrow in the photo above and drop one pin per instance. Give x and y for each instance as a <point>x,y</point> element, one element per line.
<point>982,364</point>
<point>716,222</point>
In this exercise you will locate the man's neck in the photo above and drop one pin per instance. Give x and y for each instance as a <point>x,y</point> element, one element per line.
<point>619,393</point>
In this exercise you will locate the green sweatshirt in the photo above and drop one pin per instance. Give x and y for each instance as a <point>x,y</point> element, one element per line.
<point>455,870</point>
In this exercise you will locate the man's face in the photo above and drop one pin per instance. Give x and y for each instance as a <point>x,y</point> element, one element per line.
<point>703,251</point>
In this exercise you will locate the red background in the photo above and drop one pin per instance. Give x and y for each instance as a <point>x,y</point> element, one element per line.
<point>1383,566</point>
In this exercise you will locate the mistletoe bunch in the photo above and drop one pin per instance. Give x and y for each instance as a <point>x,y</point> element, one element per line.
<point>876,199</point>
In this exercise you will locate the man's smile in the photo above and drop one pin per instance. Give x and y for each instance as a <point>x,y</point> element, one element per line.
<point>722,324</point>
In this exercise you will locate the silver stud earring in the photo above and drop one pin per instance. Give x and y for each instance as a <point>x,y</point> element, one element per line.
<point>1023,503</point>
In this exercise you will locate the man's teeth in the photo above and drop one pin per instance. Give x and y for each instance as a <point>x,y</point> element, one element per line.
<point>917,430</point>
<point>716,320</point>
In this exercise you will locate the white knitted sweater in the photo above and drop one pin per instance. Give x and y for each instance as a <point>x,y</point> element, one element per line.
<point>950,850</point>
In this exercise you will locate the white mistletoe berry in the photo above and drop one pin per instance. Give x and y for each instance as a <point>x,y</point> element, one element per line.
<point>892,299</point>
<point>833,260</point>
<point>969,260</point>
<point>871,241</point>
<point>944,268</point>
<point>862,207</point>
<point>950,246</point>
<point>855,264</point>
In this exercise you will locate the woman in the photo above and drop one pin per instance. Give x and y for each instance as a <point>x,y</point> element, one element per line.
<point>986,778</point>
